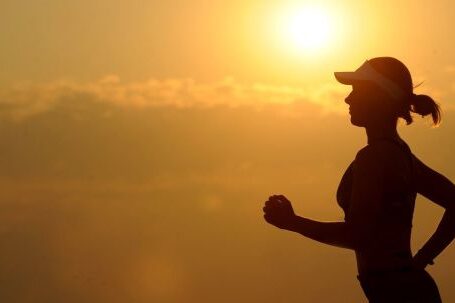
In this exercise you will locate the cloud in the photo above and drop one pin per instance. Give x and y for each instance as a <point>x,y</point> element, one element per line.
<point>22,101</point>
<point>112,193</point>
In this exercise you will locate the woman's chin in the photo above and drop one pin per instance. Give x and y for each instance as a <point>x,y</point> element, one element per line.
<point>356,122</point>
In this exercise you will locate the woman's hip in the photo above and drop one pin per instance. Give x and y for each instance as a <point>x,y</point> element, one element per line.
<point>405,285</point>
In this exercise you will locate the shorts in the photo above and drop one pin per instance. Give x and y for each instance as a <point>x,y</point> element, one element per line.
<point>407,285</point>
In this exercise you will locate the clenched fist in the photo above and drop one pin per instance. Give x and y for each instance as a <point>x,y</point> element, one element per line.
<point>278,211</point>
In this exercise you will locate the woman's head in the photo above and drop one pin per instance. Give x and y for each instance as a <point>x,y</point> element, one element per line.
<point>383,92</point>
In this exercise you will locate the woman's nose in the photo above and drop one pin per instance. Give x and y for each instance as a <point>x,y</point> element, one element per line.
<point>348,99</point>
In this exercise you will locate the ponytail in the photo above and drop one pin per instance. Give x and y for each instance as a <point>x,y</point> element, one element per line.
<point>425,105</point>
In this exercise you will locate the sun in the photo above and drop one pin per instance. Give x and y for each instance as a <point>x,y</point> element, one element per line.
<point>307,29</point>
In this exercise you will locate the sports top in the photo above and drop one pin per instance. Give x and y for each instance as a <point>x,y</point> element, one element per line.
<point>389,247</point>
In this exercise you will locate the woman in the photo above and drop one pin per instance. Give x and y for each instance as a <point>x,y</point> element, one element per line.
<point>378,190</point>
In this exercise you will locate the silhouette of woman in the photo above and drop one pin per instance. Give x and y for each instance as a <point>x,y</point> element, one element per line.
<point>378,190</point>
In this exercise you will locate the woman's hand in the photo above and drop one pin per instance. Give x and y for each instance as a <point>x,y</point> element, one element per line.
<point>420,262</point>
<point>278,211</point>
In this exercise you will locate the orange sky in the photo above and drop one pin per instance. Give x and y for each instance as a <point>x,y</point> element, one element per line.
<point>141,39</point>
<point>140,140</point>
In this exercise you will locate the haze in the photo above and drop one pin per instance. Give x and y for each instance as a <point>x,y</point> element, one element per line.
<point>139,141</point>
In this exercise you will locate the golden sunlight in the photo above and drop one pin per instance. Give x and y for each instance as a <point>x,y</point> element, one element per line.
<point>307,29</point>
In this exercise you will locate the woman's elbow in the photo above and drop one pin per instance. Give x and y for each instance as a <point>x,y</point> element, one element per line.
<point>450,214</point>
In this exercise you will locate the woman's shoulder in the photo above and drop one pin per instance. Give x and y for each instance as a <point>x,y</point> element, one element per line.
<point>381,152</point>
<point>378,149</point>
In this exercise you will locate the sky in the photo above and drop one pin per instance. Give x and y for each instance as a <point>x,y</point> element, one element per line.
<point>141,139</point>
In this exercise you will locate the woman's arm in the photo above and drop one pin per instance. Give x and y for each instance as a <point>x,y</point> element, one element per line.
<point>441,191</point>
<point>441,238</point>
<point>331,233</point>
<point>278,211</point>
<point>365,205</point>
<point>369,172</point>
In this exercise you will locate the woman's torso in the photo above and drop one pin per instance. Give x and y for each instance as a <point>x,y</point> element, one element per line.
<point>389,247</point>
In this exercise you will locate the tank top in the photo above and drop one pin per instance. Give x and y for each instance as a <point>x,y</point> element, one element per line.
<point>395,221</point>
<point>343,194</point>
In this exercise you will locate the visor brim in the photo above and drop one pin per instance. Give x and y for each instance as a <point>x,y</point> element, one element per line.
<point>347,78</point>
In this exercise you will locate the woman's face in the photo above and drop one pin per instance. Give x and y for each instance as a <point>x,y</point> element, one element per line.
<point>367,104</point>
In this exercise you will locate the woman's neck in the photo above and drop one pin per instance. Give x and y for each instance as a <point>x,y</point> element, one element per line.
<point>382,132</point>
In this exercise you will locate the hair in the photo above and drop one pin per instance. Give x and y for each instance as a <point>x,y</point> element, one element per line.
<point>422,105</point>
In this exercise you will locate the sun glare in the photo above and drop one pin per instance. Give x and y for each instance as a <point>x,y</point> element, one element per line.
<point>307,29</point>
